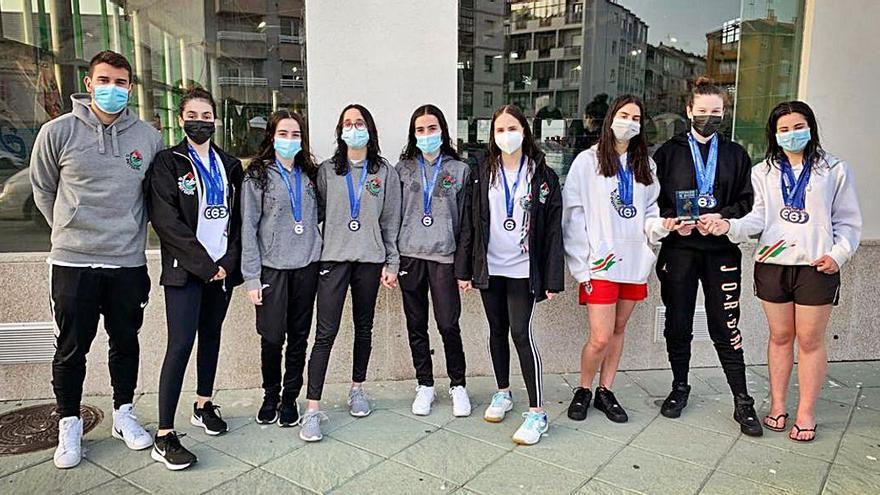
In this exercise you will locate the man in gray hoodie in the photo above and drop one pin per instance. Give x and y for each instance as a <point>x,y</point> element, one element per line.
<point>87,171</point>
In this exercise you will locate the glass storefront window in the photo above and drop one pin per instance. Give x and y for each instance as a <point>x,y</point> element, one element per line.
<point>249,53</point>
<point>564,61</point>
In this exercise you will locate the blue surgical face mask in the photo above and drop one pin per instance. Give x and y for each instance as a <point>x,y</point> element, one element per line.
<point>356,138</point>
<point>111,98</point>
<point>287,148</point>
<point>794,141</point>
<point>430,143</point>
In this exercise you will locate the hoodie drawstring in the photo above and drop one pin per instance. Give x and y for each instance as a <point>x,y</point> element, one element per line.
<point>100,130</point>
<point>114,140</point>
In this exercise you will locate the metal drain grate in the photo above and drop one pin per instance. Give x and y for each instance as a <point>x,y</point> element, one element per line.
<point>701,324</point>
<point>36,428</point>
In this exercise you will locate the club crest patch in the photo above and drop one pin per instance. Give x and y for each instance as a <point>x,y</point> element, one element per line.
<point>187,184</point>
<point>448,182</point>
<point>135,160</point>
<point>374,185</point>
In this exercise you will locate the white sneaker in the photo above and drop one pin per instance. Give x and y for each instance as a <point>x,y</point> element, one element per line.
<point>501,403</point>
<point>127,428</point>
<point>461,403</point>
<point>421,406</point>
<point>532,428</point>
<point>69,451</point>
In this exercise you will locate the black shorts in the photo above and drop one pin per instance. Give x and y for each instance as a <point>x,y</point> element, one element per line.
<point>800,284</point>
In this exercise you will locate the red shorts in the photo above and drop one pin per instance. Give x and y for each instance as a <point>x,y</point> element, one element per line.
<point>605,292</point>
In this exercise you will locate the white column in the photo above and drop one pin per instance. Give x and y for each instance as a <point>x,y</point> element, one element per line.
<point>389,55</point>
<point>840,90</point>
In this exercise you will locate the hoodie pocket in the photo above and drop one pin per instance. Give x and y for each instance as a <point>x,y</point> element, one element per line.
<point>99,230</point>
<point>622,260</point>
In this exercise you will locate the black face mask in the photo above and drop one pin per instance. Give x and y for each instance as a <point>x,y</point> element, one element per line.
<point>199,130</point>
<point>706,125</point>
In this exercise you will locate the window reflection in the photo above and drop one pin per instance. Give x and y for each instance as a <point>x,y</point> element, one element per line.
<point>248,53</point>
<point>563,61</point>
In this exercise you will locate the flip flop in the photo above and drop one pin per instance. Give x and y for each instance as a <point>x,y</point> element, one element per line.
<point>802,430</point>
<point>776,419</point>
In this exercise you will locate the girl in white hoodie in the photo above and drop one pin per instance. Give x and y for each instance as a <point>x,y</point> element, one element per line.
<point>610,216</point>
<point>807,213</point>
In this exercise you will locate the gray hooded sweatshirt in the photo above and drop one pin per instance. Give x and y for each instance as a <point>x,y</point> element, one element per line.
<point>88,183</point>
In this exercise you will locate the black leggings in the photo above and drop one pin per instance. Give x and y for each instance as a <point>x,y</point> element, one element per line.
<point>680,271</point>
<point>196,308</point>
<point>286,312</point>
<point>333,282</point>
<point>509,306</point>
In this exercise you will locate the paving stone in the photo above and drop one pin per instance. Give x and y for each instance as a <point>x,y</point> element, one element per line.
<point>776,467</point>
<point>116,487</point>
<point>46,478</point>
<point>646,472</point>
<point>516,473</point>
<point>855,374</point>
<point>684,442</point>
<point>256,444</point>
<point>258,481</point>
<point>725,484</point>
<point>865,422</point>
<point>322,466</point>
<point>213,469</point>
<point>859,452</point>
<point>596,487</point>
<point>565,448</point>
<point>391,477</point>
<point>383,433</point>
<point>845,480</point>
<point>449,456</point>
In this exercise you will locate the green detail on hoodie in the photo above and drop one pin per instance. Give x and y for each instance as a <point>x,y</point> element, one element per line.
<point>135,160</point>
<point>604,264</point>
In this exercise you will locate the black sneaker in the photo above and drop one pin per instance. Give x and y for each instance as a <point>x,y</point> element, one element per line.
<point>607,403</point>
<point>167,450</point>
<point>208,418</point>
<point>577,410</point>
<point>268,413</point>
<point>744,414</point>
<point>289,413</point>
<point>676,401</point>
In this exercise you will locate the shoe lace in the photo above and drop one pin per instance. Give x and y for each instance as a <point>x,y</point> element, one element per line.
<point>676,396</point>
<point>423,393</point>
<point>457,393</point>
<point>534,420</point>
<point>499,398</point>
<point>609,398</point>
<point>212,410</point>
<point>172,442</point>
<point>746,410</point>
<point>315,417</point>
<point>65,436</point>
<point>130,424</point>
<point>580,394</point>
<point>356,395</point>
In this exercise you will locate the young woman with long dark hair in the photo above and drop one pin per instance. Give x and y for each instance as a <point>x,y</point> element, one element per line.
<point>281,247</point>
<point>807,212</point>
<point>610,217</point>
<point>359,192</point>
<point>434,185</point>
<point>511,249</point>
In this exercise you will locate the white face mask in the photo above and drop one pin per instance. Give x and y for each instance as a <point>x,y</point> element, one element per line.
<point>625,129</point>
<point>509,141</point>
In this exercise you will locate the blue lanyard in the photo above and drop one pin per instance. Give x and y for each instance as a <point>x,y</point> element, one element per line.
<point>509,194</point>
<point>428,187</point>
<point>705,172</point>
<point>354,200</point>
<point>212,178</point>
<point>794,192</point>
<point>625,182</point>
<point>295,195</point>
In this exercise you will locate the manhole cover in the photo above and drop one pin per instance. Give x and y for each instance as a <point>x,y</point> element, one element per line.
<point>36,428</point>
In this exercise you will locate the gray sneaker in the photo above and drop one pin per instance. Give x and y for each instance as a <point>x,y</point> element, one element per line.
<point>310,426</point>
<point>358,404</point>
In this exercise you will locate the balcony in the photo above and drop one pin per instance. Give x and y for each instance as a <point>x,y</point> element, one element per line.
<point>286,38</point>
<point>242,81</point>
<point>292,83</point>
<point>240,36</point>
<point>241,6</point>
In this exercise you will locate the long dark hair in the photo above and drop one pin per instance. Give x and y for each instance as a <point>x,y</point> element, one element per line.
<point>529,146</point>
<point>813,152</point>
<point>637,149</point>
<point>410,151</point>
<point>374,154</point>
<point>265,158</point>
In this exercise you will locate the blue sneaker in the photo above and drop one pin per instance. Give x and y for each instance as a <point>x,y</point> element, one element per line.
<point>501,403</point>
<point>532,428</point>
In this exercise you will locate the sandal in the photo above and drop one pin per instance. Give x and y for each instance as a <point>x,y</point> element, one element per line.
<point>802,430</point>
<point>776,419</point>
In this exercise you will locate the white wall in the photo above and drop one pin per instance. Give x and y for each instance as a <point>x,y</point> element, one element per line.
<point>389,55</point>
<point>842,71</point>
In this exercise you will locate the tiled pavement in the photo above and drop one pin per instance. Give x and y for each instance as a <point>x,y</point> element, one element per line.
<point>394,452</point>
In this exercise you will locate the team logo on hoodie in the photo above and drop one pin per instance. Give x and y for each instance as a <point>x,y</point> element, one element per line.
<point>448,182</point>
<point>374,185</point>
<point>135,160</point>
<point>187,184</point>
<point>605,264</point>
<point>311,190</point>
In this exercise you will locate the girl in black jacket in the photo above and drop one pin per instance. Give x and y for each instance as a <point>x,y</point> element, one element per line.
<point>194,207</point>
<point>511,249</point>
